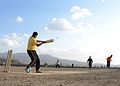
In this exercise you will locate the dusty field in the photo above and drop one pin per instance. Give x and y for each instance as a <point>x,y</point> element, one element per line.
<point>61,77</point>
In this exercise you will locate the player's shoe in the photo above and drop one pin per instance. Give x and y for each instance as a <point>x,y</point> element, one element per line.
<point>28,70</point>
<point>38,72</point>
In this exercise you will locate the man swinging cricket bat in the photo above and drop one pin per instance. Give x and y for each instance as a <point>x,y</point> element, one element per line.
<point>33,43</point>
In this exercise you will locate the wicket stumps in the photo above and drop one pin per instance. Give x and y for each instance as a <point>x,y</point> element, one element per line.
<point>8,61</point>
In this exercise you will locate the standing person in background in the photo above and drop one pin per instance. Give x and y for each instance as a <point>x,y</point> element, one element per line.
<point>33,43</point>
<point>90,61</point>
<point>109,60</point>
<point>58,64</point>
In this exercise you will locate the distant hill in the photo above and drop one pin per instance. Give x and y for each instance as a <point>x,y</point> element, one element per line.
<point>14,62</point>
<point>22,58</point>
<point>2,61</point>
<point>45,58</point>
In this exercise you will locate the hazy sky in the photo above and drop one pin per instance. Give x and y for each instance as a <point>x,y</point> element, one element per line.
<point>80,28</point>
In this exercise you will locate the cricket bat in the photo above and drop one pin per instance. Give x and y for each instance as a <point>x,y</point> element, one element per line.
<point>49,41</point>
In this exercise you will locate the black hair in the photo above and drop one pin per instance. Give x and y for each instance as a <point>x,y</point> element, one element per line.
<point>34,34</point>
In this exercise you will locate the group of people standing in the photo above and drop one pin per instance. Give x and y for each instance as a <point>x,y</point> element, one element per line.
<point>33,43</point>
<point>90,61</point>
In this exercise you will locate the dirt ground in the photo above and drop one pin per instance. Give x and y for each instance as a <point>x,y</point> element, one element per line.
<point>61,77</point>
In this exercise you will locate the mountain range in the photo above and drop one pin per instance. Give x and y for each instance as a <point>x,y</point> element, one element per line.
<point>23,58</point>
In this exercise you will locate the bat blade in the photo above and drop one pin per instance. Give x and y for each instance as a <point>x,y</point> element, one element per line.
<point>49,41</point>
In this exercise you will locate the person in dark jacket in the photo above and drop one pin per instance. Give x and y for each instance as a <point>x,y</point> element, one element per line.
<point>90,61</point>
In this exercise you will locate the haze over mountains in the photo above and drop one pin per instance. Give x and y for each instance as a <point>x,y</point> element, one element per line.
<point>22,58</point>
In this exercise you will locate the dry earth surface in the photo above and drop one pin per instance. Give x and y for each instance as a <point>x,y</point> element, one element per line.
<point>61,77</point>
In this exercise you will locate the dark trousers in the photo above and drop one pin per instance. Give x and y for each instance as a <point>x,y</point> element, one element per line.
<point>90,64</point>
<point>108,64</point>
<point>57,66</point>
<point>34,59</point>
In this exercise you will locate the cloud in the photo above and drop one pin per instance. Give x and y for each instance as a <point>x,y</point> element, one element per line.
<point>83,27</point>
<point>19,19</point>
<point>78,13</point>
<point>103,0</point>
<point>104,41</point>
<point>59,24</point>
<point>63,25</point>
<point>12,41</point>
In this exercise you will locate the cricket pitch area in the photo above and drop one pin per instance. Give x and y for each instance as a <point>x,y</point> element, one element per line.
<point>61,77</point>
